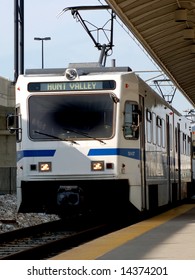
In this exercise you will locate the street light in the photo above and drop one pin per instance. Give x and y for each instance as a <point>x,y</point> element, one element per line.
<point>42,39</point>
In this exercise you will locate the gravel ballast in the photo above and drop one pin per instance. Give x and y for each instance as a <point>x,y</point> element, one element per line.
<point>11,220</point>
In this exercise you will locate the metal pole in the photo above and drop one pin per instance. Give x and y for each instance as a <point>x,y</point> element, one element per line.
<point>18,38</point>
<point>42,47</point>
<point>21,36</point>
<point>16,72</point>
<point>42,55</point>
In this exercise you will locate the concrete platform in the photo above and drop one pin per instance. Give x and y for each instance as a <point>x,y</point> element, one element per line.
<point>169,236</point>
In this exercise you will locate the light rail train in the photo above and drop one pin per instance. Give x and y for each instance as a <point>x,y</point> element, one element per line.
<point>94,138</point>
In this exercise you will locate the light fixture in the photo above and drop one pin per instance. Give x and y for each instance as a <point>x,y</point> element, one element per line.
<point>44,166</point>
<point>97,166</point>
<point>188,33</point>
<point>71,74</point>
<point>180,15</point>
<point>109,165</point>
<point>42,40</point>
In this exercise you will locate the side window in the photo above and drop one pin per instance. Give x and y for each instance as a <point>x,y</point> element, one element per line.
<point>176,139</point>
<point>171,136</point>
<point>149,125</point>
<point>163,134</point>
<point>159,130</point>
<point>154,127</point>
<point>188,145</point>
<point>131,120</point>
<point>184,143</point>
<point>181,142</point>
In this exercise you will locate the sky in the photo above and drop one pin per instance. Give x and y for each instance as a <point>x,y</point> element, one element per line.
<point>69,41</point>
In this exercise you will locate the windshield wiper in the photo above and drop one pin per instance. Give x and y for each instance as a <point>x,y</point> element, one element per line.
<point>55,137</point>
<point>84,134</point>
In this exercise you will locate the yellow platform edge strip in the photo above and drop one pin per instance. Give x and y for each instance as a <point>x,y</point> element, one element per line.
<point>100,246</point>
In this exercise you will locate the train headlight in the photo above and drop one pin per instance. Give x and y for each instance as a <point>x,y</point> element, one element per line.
<point>71,74</point>
<point>97,166</point>
<point>44,166</point>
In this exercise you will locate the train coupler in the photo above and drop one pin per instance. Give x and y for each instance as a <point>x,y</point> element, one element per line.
<point>69,198</point>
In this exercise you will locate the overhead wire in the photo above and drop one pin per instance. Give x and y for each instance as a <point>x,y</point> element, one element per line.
<point>132,37</point>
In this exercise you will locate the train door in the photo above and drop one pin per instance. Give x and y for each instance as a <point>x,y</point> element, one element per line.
<point>142,152</point>
<point>132,164</point>
<point>168,157</point>
<point>179,159</point>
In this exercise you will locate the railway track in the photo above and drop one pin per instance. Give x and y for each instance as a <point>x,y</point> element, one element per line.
<point>46,240</point>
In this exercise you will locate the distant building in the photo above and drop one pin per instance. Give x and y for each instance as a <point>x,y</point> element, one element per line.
<point>7,140</point>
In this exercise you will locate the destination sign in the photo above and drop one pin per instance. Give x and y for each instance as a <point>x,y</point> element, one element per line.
<point>71,86</point>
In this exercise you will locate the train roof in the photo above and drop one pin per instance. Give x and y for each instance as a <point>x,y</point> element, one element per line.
<point>82,69</point>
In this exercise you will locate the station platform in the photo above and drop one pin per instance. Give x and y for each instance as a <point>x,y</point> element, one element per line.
<point>168,236</point>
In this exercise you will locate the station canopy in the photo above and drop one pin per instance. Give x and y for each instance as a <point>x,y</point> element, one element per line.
<point>166,29</point>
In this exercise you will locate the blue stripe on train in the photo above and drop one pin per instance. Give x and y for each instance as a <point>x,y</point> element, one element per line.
<point>125,152</point>
<point>35,153</point>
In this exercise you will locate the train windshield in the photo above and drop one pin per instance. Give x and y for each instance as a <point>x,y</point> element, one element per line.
<point>64,117</point>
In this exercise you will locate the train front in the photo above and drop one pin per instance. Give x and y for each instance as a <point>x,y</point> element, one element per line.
<point>66,142</point>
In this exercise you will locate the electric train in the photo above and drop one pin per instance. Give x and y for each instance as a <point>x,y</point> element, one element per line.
<point>94,138</point>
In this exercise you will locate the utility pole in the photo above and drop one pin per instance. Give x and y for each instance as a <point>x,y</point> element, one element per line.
<point>18,38</point>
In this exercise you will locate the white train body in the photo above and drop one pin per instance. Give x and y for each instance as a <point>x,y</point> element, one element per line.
<point>100,138</point>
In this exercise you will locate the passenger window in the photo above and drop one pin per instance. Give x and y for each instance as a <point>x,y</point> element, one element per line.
<point>163,134</point>
<point>154,128</point>
<point>189,146</point>
<point>159,130</point>
<point>149,125</point>
<point>131,121</point>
